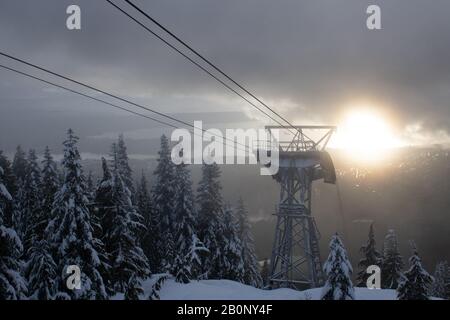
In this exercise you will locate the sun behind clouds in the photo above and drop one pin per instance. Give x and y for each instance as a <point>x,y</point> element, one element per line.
<point>365,135</point>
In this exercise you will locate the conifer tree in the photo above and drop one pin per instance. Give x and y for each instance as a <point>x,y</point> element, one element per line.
<point>70,231</point>
<point>19,165</point>
<point>90,186</point>
<point>265,273</point>
<point>19,168</point>
<point>10,183</point>
<point>40,272</point>
<point>121,238</point>
<point>22,204</point>
<point>149,237</point>
<point>232,265</point>
<point>392,265</point>
<point>416,281</point>
<point>441,281</point>
<point>209,200</point>
<point>102,217</point>
<point>338,271</point>
<point>50,182</point>
<point>5,196</point>
<point>40,268</point>
<point>123,165</point>
<point>252,276</point>
<point>33,219</point>
<point>12,284</point>
<point>134,289</point>
<point>188,248</point>
<point>163,196</point>
<point>371,256</point>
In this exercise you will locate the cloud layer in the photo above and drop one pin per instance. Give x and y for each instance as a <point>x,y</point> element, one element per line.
<point>309,59</point>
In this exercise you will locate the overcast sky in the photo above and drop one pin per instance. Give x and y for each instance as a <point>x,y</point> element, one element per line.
<point>310,60</point>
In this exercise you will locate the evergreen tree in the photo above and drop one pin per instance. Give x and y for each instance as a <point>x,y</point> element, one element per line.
<point>252,276</point>
<point>20,165</point>
<point>40,272</point>
<point>90,186</point>
<point>40,268</point>
<point>163,196</point>
<point>149,237</point>
<point>10,183</point>
<point>392,265</point>
<point>50,182</point>
<point>70,231</point>
<point>209,200</point>
<point>441,281</point>
<point>102,217</point>
<point>12,285</point>
<point>5,196</point>
<point>371,256</point>
<point>338,271</point>
<point>123,165</point>
<point>188,248</point>
<point>416,281</point>
<point>121,238</point>
<point>33,220</point>
<point>134,289</point>
<point>265,273</point>
<point>232,265</point>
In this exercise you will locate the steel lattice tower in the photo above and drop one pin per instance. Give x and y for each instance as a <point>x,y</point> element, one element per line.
<point>295,261</point>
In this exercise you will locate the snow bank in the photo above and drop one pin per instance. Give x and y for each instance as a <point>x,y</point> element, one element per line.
<point>230,290</point>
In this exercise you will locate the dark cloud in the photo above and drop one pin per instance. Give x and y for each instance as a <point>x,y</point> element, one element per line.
<point>307,58</point>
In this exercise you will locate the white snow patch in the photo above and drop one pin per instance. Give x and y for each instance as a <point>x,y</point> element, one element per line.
<point>231,290</point>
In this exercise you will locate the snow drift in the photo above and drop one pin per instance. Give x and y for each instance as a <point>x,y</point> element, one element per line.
<point>231,290</point>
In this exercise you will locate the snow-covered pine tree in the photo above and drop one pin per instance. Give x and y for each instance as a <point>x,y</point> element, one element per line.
<point>416,281</point>
<point>231,264</point>
<point>123,165</point>
<point>188,248</point>
<point>338,272</point>
<point>9,181</point>
<point>90,186</point>
<point>103,203</point>
<point>190,267</point>
<point>392,264</point>
<point>19,167</point>
<point>12,284</point>
<point>50,182</point>
<point>40,272</point>
<point>441,281</point>
<point>102,215</point>
<point>265,273</point>
<point>209,200</point>
<point>33,220</point>
<point>5,196</point>
<point>163,195</point>
<point>134,289</point>
<point>40,267</point>
<point>252,275</point>
<point>371,256</point>
<point>70,231</point>
<point>121,238</point>
<point>149,237</point>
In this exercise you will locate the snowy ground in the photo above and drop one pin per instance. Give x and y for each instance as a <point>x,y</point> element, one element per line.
<point>230,290</point>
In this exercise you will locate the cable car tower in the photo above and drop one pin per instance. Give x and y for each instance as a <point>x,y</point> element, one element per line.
<point>295,261</point>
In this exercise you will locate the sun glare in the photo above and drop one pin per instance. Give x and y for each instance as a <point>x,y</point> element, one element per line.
<point>365,136</point>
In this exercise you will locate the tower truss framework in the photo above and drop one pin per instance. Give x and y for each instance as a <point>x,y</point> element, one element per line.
<point>296,261</point>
